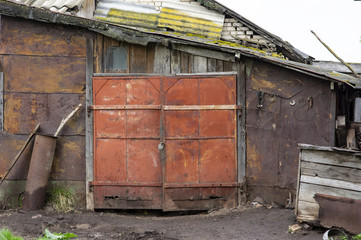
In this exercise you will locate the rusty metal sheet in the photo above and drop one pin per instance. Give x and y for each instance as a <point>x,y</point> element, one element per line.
<point>24,110</point>
<point>200,143</point>
<point>339,212</point>
<point>44,74</point>
<point>9,146</point>
<point>39,172</point>
<point>20,36</point>
<point>283,109</point>
<point>199,126</point>
<point>127,139</point>
<point>69,159</point>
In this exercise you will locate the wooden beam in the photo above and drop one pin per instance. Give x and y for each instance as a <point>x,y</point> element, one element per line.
<point>202,52</point>
<point>89,125</point>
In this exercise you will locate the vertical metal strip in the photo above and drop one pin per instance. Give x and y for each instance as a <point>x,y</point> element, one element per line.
<point>1,101</point>
<point>89,124</point>
<point>162,151</point>
<point>241,122</point>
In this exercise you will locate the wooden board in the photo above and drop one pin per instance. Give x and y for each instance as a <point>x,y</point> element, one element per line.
<point>326,171</point>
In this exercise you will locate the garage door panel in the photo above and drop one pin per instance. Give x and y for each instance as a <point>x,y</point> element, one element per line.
<point>110,164</point>
<point>109,124</point>
<point>112,92</point>
<point>217,161</point>
<point>217,123</point>
<point>142,92</point>
<point>215,91</point>
<point>181,123</point>
<point>183,92</point>
<point>143,124</point>
<point>193,116</point>
<point>182,161</point>
<point>143,161</point>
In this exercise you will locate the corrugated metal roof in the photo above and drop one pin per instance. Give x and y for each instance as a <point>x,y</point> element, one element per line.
<point>130,14</point>
<point>186,17</point>
<point>181,17</point>
<point>61,6</point>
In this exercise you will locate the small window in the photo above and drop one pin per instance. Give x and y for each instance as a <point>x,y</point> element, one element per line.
<point>116,59</point>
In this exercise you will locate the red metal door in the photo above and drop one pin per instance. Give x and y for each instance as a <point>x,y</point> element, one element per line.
<point>165,142</point>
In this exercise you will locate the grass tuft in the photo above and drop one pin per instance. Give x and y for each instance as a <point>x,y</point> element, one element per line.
<point>62,200</point>
<point>5,234</point>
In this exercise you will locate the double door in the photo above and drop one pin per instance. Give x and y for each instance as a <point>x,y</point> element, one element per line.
<point>165,142</point>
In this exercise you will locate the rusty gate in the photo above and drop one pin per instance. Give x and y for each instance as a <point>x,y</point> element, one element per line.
<point>165,142</point>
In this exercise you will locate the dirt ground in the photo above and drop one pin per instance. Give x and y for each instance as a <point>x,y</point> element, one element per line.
<point>245,222</point>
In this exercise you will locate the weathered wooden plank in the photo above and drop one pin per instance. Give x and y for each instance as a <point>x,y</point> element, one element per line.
<point>44,74</point>
<point>138,59</point>
<point>89,149</point>
<point>332,158</point>
<point>98,54</point>
<point>229,66</point>
<point>351,139</point>
<point>22,37</point>
<point>199,64</point>
<point>162,60</point>
<point>185,62</point>
<point>241,121</point>
<point>330,171</point>
<point>175,61</point>
<point>307,211</point>
<point>196,51</point>
<point>211,65</point>
<point>150,57</point>
<point>219,66</point>
<point>331,183</point>
<point>1,101</point>
<point>307,192</point>
<point>22,111</point>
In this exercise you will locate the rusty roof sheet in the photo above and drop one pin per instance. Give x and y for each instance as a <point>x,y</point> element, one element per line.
<point>61,6</point>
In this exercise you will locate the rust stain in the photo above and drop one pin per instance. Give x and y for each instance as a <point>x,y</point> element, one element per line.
<point>11,113</point>
<point>253,160</point>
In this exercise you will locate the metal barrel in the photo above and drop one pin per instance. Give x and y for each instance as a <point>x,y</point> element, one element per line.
<point>39,172</point>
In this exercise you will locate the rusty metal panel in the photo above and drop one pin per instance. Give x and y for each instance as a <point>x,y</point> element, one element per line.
<point>69,159</point>
<point>24,110</point>
<point>9,147</point>
<point>200,143</point>
<point>199,170</point>
<point>39,172</point>
<point>126,138</point>
<point>44,74</point>
<point>20,36</point>
<point>284,108</point>
<point>339,212</point>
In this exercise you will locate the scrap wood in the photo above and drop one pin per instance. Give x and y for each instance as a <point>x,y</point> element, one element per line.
<point>65,120</point>
<point>20,152</point>
<point>336,56</point>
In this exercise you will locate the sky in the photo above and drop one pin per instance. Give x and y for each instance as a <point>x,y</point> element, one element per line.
<point>336,22</point>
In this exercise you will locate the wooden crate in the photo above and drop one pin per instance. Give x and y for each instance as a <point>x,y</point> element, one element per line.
<point>325,170</point>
